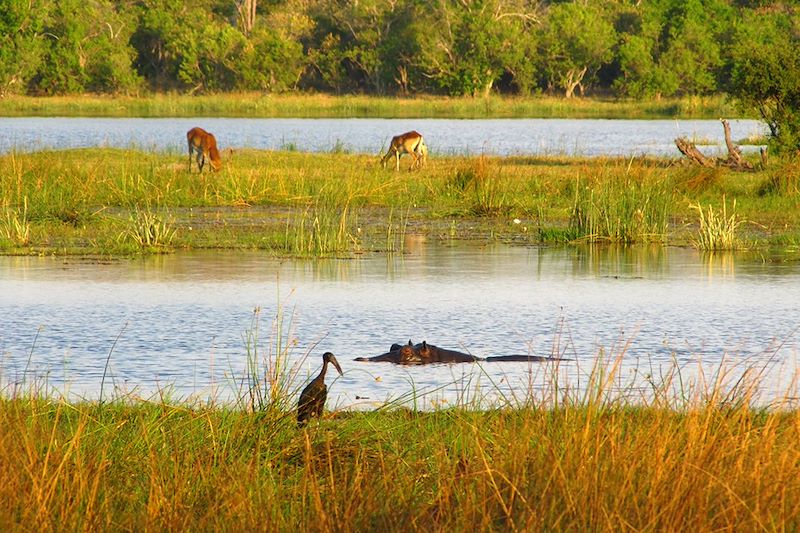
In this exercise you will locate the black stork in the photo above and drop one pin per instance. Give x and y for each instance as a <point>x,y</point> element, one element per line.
<point>312,399</point>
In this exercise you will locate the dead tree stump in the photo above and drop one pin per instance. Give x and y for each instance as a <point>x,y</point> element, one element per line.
<point>688,149</point>
<point>734,159</point>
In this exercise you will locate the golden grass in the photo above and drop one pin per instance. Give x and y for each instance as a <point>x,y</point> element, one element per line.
<point>588,465</point>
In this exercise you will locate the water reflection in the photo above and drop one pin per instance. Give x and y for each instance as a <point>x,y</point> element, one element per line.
<point>185,319</point>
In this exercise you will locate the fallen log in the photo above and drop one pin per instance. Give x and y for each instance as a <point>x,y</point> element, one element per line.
<point>688,149</point>
<point>734,160</point>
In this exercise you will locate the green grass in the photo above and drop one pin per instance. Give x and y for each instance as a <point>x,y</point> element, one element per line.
<point>113,201</point>
<point>318,106</point>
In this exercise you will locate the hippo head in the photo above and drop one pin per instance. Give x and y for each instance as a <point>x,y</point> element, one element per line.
<point>409,355</point>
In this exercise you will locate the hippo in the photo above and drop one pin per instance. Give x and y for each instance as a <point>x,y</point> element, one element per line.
<point>424,353</point>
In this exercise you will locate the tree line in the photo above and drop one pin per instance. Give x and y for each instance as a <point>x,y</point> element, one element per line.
<point>619,48</point>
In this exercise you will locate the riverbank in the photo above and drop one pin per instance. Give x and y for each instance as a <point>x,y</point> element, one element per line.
<point>589,465</point>
<point>122,202</point>
<point>256,105</point>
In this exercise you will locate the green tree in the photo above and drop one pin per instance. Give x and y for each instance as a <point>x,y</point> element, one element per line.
<point>350,45</point>
<point>766,72</point>
<point>671,47</point>
<point>188,46</point>
<point>470,44</point>
<point>577,39</point>
<point>269,62</point>
<point>21,42</point>
<point>87,50</point>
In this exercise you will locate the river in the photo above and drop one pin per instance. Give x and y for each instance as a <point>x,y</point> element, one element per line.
<point>543,137</point>
<point>185,323</point>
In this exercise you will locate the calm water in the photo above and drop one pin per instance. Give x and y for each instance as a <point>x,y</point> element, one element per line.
<point>501,136</point>
<point>182,320</point>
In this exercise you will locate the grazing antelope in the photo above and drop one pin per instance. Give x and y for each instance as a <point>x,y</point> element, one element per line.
<point>410,143</point>
<point>205,145</point>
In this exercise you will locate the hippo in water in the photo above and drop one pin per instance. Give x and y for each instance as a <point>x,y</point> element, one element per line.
<point>423,354</point>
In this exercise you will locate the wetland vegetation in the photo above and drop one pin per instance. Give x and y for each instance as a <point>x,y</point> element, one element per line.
<point>117,202</point>
<point>701,459</point>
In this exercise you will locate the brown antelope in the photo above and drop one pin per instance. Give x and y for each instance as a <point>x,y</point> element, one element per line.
<point>205,145</point>
<point>410,143</point>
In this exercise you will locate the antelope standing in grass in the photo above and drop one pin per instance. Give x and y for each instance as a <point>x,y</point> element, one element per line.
<point>205,145</point>
<point>410,143</point>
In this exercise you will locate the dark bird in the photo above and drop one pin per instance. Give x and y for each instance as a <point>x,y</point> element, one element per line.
<point>312,399</point>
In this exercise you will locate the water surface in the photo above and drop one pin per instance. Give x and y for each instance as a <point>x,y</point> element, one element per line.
<point>183,320</point>
<point>584,137</point>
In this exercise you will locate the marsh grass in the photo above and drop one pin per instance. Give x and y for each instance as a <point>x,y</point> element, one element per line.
<point>148,229</point>
<point>689,455</point>
<point>15,225</point>
<point>621,208</point>
<point>484,185</point>
<point>321,231</point>
<point>323,106</point>
<point>75,196</point>
<point>784,180</point>
<point>717,230</point>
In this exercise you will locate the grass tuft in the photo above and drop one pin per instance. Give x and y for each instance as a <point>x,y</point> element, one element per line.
<point>717,230</point>
<point>15,225</point>
<point>148,229</point>
<point>621,208</point>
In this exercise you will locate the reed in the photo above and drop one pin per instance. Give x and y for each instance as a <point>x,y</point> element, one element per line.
<point>717,230</point>
<point>15,225</point>
<point>148,229</point>
<point>621,208</point>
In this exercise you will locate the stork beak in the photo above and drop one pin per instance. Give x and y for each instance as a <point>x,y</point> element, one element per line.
<point>336,364</point>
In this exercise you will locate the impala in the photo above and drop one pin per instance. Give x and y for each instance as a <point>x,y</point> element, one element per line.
<point>410,143</point>
<point>205,145</point>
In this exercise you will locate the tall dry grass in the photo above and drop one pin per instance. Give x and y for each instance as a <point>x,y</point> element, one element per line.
<point>703,460</point>
<point>717,230</point>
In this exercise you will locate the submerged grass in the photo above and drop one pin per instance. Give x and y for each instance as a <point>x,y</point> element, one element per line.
<point>295,203</point>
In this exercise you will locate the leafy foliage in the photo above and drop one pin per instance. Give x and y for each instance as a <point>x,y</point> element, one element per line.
<point>451,47</point>
<point>766,73</point>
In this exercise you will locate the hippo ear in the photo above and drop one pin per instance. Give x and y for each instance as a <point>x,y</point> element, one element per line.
<point>409,342</point>
<point>424,345</point>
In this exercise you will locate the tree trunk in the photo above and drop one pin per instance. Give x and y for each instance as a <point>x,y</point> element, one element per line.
<point>574,79</point>
<point>734,153</point>
<point>247,14</point>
